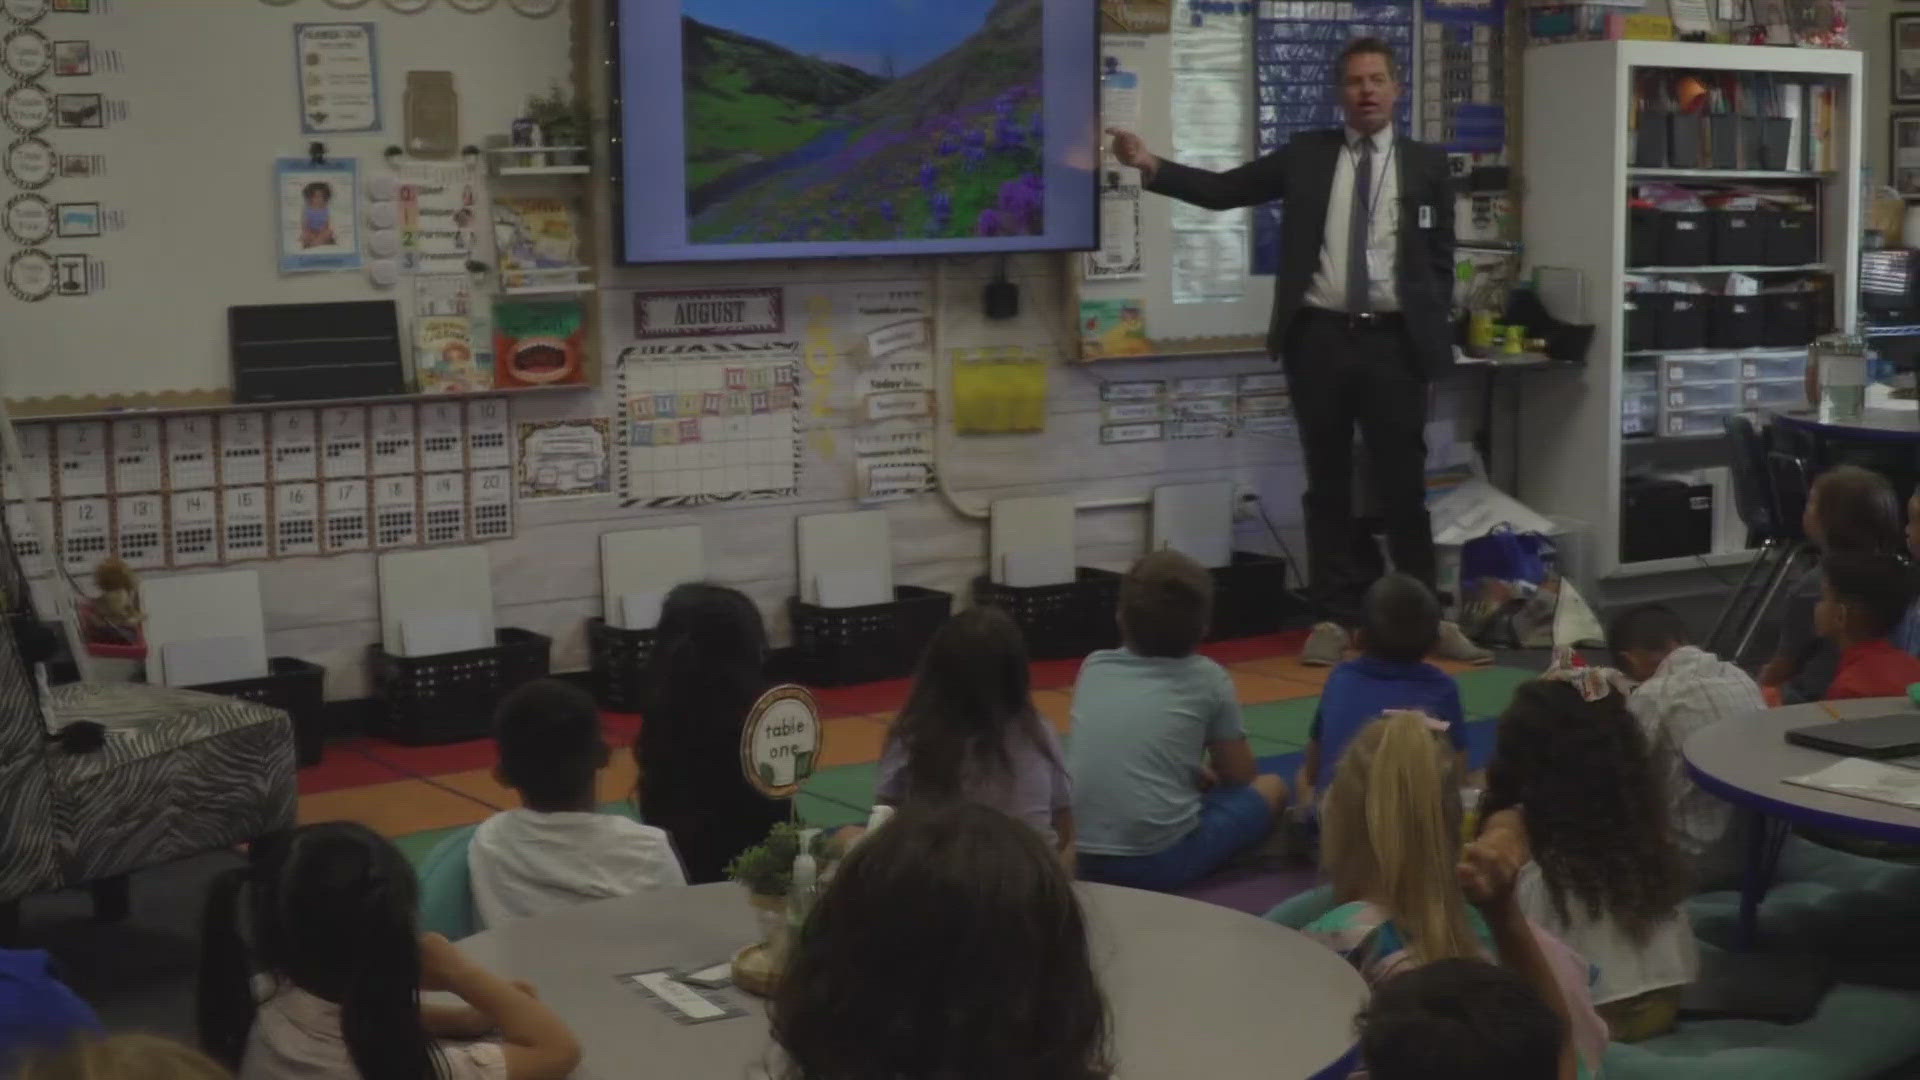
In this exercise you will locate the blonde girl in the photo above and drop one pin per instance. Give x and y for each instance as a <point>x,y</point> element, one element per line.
<point>122,1057</point>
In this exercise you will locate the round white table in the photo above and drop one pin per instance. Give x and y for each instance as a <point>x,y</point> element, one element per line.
<point>1196,990</point>
<point>1745,761</point>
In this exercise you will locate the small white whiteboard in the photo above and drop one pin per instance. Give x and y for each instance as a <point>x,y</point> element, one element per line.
<point>188,608</point>
<point>840,546</point>
<point>427,585</point>
<point>644,563</point>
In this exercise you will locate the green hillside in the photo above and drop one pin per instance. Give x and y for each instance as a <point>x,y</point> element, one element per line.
<point>749,100</point>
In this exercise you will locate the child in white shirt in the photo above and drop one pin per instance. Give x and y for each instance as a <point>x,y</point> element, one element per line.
<point>557,850</point>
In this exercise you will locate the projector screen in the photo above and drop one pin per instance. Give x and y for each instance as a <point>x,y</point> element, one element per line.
<point>781,129</point>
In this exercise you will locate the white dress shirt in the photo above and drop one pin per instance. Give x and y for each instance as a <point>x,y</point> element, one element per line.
<point>1329,287</point>
<point>1693,689</point>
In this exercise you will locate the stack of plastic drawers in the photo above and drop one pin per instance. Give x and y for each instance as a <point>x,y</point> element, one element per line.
<point>1773,381</point>
<point>1640,401</point>
<point>1698,393</point>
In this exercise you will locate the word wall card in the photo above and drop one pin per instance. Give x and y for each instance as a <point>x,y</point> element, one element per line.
<point>205,489</point>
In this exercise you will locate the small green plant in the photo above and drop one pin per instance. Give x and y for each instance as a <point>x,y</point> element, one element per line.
<point>564,119</point>
<point>766,869</point>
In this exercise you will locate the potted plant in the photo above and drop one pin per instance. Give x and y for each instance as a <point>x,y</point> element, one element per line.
<point>564,120</point>
<point>766,872</point>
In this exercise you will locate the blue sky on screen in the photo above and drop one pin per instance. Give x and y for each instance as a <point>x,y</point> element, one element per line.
<point>860,33</point>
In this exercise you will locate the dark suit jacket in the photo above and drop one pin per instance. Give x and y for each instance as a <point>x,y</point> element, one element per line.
<point>1301,174</point>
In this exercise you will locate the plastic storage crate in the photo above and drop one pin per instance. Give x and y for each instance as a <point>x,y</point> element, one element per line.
<point>294,687</point>
<point>1690,396</point>
<point>618,660</point>
<point>1686,370</point>
<point>1773,395</point>
<point>1639,412</point>
<point>451,697</point>
<point>1250,597</point>
<point>1773,368</point>
<point>841,646</point>
<point>1060,622</point>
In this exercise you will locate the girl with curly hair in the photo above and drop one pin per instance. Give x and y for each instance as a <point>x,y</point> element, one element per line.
<point>1605,874</point>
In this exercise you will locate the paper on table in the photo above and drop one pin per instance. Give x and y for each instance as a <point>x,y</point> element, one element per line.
<point>1863,779</point>
<point>1209,265</point>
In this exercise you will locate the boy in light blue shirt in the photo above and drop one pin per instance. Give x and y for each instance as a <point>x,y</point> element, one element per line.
<point>1165,786</point>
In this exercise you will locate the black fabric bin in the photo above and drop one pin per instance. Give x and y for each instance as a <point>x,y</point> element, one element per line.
<point>1736,322</point>
<point>1737,237</point>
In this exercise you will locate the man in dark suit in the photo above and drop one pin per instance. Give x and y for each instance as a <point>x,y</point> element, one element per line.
<point>1362,309</point>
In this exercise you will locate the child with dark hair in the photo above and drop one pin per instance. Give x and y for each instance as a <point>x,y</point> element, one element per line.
<point>969,730</point>
<point>1402,621</point>
<point>1850,510</point>
<point>1683,689</point>
<point>1605,875</point>
<point>949,944</point>
<point>557,850</point>
<point>1462,1019</point>
<point>707,670</point>
<point>325,913</point>
<point>1166,788</point>
<point>1862,599</point>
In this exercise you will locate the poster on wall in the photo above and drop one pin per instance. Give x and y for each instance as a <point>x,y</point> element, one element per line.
<point>565,459</point>
<point>1136,16</point>
<point>318,227</point>
<point>438,208</point>
<point>708,421</point>
<point>338,77</point>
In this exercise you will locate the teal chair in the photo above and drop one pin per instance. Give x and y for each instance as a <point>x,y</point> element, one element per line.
<point>1859,1032</point>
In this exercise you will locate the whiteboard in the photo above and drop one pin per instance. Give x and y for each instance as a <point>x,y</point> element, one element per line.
<point>210,100</point>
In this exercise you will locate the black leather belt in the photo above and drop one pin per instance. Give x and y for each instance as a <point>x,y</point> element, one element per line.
<point>1365,320</point>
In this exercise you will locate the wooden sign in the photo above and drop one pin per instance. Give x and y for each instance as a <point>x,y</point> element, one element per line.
<point>780,743</point>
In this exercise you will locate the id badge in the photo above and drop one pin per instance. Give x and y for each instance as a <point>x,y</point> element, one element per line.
<point>1426,217</point>
<point>1379,264</point>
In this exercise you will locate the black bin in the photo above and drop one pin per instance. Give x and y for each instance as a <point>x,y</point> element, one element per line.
<point>450,697</point>
<point>1643,236</point>
<point>1793,319</point>
<point>1642,320</point>
<point>1681,322</point>
<point>1723,136</point>
<point>1737,239</point>
<point>294,686</point>
<point>1060,622</point>
<point>1767,148</point>
<point>1686,141</point>
<point>1649,149</point>
<point>842,646</point>
<point>1735,322</point>
<point>1792,238</point>
<point>1250,597</point>
<point>618,663</point>
<point>1685,239</point>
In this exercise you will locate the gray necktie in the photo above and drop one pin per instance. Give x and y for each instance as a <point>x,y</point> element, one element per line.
<point>1359,296</point>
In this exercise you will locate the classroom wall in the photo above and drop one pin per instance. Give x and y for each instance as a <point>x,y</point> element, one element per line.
<point>546,578</point>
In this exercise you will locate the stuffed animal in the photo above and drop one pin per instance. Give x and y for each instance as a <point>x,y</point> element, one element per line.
<point>117,608</point>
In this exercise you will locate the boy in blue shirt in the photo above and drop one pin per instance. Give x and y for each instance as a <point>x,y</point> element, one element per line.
<point>1401,624</point>
<point>1165,786</point>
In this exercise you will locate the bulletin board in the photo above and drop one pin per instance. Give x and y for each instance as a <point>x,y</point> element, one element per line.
<point>1132,298</point>
<point>157,162</point>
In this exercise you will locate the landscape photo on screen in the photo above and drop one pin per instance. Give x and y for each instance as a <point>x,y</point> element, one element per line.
<point>891,120</point>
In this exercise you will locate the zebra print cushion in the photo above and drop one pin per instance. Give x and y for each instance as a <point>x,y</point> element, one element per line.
<point>26,810</point>
<point>208,772</point>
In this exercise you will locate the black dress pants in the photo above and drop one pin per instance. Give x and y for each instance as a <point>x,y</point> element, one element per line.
<point>1343,375</point>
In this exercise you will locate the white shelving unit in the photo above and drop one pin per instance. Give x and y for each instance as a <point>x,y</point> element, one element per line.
<point>1576,174</point>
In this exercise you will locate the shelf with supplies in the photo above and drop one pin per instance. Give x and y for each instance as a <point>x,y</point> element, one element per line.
<point>530,161</point>
<point>1726,174</point>
<point>1806,268</point>
<point>1640,450</point>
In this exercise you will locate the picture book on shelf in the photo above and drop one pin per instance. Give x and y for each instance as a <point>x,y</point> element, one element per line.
<point>537,240</point>
<point>538,343</point>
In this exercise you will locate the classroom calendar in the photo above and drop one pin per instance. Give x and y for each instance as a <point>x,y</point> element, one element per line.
<point>205,489</point>
<point>707,421</point>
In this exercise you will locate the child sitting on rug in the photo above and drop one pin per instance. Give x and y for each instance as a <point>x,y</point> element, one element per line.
<point>1406,888</point>
<point>557,850</point>
<point>707,669</point>
<point>1604,874</point>
<point>1165,786</point>
<point>1862,599</point>
<point>1402,622</point>
<point>1683,689</point>
<point>1466,1020</point>
<point>969,731</point>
